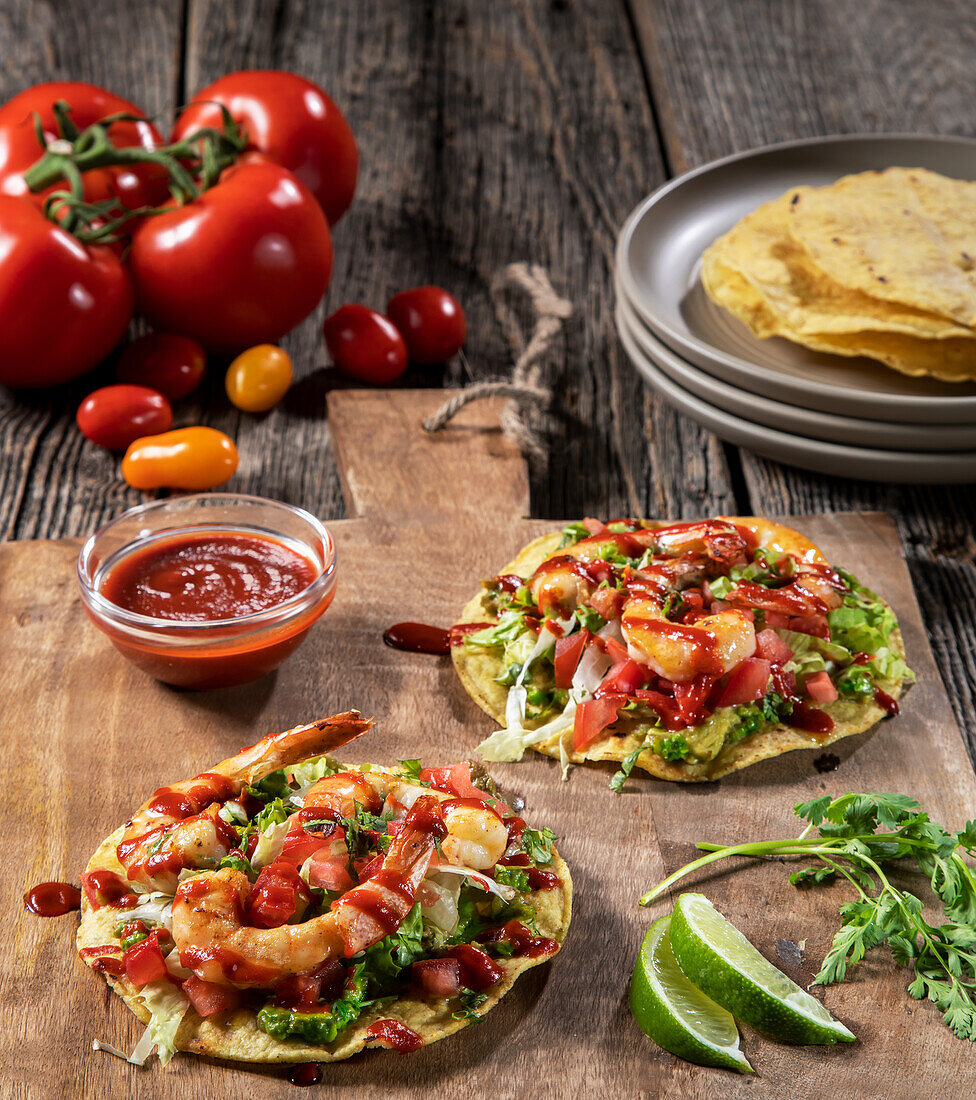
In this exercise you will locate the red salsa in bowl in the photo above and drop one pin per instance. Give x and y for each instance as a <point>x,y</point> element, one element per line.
<point>208,591</point>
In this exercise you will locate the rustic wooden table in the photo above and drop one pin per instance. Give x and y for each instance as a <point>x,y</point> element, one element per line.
<point>520,129</point>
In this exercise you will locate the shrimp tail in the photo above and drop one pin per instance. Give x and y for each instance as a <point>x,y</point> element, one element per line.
<point>377,908</point>
<point>278,750</point>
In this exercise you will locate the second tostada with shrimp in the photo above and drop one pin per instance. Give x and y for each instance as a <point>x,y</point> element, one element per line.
<point>689,650</point>
<point>284,907</point>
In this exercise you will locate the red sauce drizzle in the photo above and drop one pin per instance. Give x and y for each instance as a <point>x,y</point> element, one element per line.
<point>308,1073</point>
<point>459,631</point>
<point>52,899</point>
<point>396,1036</point>
<point>105,959</point>
<point>474,803</point>
<point>508,582</point>
<point>107,888</point>
<point>543,880</point>
<point>419,638</point>
<point>885,701</point>
<point>524,944</point>
<point>233,966</point>
<point>206,576</point>
<point>702,658</point>
<point>811,719</point>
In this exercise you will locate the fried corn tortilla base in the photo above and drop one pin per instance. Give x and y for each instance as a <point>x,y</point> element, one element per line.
<point>478,669</point>
<point>236,1035</point>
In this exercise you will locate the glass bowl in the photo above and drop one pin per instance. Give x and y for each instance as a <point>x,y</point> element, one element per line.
<point>218,652</point>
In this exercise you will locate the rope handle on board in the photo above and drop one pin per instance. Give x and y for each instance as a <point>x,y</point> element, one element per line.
<point>525,387</point>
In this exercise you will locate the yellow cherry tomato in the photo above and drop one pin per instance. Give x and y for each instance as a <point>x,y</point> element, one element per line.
<point>187,458</point>
<point>258,378</point>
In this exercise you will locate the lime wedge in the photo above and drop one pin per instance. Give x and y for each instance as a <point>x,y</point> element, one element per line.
<point>719,960</point>
<point>675,1014</point>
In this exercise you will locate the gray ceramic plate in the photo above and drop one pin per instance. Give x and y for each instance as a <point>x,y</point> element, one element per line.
<point>659,251</point>
<point>848,430</point>
<point>866,463</point>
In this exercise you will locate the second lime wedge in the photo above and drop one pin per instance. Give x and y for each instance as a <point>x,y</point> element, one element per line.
<point>675,1014</point>
<point>722,963</point>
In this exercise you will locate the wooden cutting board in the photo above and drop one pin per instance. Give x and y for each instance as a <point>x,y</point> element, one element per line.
<point>86,738</point>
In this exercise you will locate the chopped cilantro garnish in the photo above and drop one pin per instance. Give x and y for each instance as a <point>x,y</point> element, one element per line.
<point>516,877</point>
<point>470,1000</point>
<point>537,844</point>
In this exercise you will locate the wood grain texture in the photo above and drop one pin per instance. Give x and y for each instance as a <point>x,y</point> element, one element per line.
<point>81,714</point>
<point>486,132</point>
<point>822,67</point>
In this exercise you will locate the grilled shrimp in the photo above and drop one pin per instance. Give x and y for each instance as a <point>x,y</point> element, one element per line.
<point>214,943</point>
<point>179,827</point>
<point>713,645</point>
<point>476,837</point>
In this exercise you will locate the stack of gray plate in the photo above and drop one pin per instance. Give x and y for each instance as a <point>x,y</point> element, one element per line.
<point>850,417</point>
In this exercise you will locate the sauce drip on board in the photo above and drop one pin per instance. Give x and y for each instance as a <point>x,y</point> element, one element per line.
<point>396,1036</point>
<point>207,576</point>
<point>52,899</point>
<point>308,1073</point>
<point>827,762</point>
<point>419,638</point>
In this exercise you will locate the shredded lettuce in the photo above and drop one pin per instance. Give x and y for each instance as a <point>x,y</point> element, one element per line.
<point>269,844</point>
<point>510,744</point>
<point>167,1007</point>
<point>155,908</point>
<point>309,772</point>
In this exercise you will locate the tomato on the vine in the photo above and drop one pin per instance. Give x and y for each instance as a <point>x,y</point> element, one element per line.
<point>185,458</point>
<point>164,361</point>
<point>365,345</point>
<point>64,305</point>
<point>258,378</point>
<point>240,265</point>
<point>142,185</point>
<point>115,416</point>
<point>293,122</point>
<point>431,322</point>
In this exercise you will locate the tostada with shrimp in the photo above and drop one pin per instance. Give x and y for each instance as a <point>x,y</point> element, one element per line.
<point>285,907</point>
<point>689,650</point>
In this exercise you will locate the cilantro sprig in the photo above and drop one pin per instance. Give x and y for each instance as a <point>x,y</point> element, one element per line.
<point>861,837</point>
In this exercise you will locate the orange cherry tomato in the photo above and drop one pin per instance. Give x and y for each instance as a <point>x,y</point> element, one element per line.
<point>187,458</point>
<point>258,378</point>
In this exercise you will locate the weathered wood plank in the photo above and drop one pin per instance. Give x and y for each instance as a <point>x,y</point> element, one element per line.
<point>485,133</point>
<point>726,77</point>
<point>51,481</point>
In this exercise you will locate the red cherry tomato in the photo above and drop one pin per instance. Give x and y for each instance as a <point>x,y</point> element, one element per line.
<point>19,148</point>
<point>258,378</point>
<point>431,322</point>
<point>365,345</point>
<point>172,364</point>
<point>241,265</point>
<point>186,458</point>
<point>63,307</point>
<point>114,416</point>
<point>293,122</point>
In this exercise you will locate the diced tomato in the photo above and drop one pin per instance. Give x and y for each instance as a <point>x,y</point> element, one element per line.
<point>274,897</point>
<point>815,625</point>
<point>624,678</point>
<point>369,867</point>
<point>666,707</point>
<point>777,620</point>
<point>593,717</point>
<point>299,845</point>
<point>615,650</point>
<point>327,870</point>
<point>208,998</point>
<point>719,605</point>
<point>746,683</point>
<point>478,970</point>
<point>594,526</point>
<point>691,698</point>
<point>144,961</point>
<point>596,571</point>
<point>784,682</point>
<point>303,992</point>
<point>771,647</point>
<point>607,602</point>
<point>568,652</point>
<point>437,977</point>
<point>455,779</point>
<point>820,687</point>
